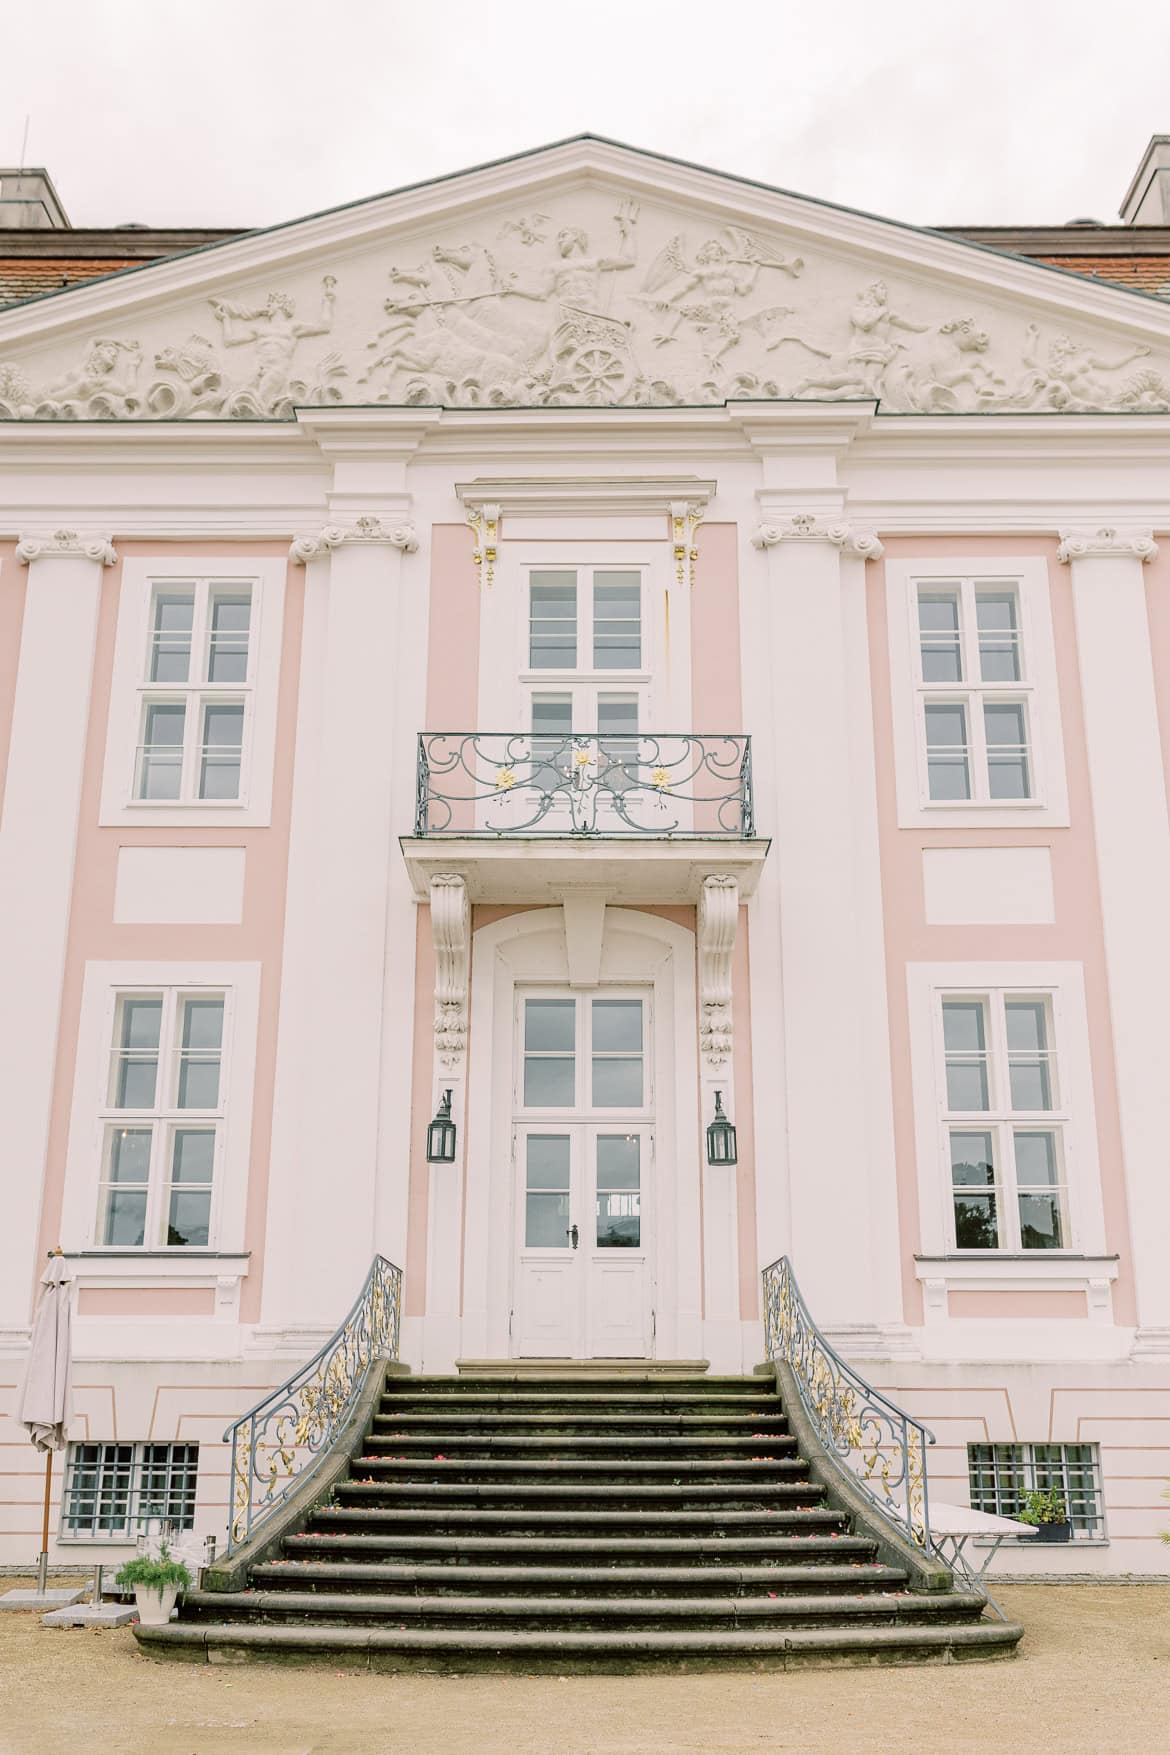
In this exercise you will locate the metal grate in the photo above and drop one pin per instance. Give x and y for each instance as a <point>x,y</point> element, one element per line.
<point>1000,1475</point>
<point>117,1491</point>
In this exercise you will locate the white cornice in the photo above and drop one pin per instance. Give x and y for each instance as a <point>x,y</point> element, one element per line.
<point>887,244</point>
<point>554,495</point>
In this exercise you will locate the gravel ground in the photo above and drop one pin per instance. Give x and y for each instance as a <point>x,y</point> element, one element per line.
<point>1092,1677</point>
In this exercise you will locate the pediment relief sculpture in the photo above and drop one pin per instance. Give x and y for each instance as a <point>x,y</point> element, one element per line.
<point>597,306</point>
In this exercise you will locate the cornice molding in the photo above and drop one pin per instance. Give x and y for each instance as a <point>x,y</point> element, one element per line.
<point>400,534</point>
<point>67,545</point>
<point>554,495</point>
<point>807,527</point>
<point>1107,543</point>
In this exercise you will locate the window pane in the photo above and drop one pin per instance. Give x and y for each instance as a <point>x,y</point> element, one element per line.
<point>617,1082</point>
<point>552,715</point>
<point>188,1221</point>
<point>976,1226</point>
<point>161,756</point>
<point>137,1060</point>
<point>546,1221</point>
<point>1007,749</point>
<point>227,644</point>
<point>129,1159</point>
<point>199,1055</point>
<point>1040,1226</point>
<point>966,1055</point>
<point>999,636</point>
<point>125,1222</point>
<point>223,734</point>
<point>619,1160</point>
<point>550,1024</point>
<point>972,1160</point>
<point>617,716</point>
<point>549,1082</point>
<point>617,1025</point>
<point>202,1023</point>
<point>964,1026</point>
<point>946,750</point>
<point>619,1201</point>
<point>141,1022</point>
<point>547,1161</point>
<point>1036,1163</point>
<point>193,1154</point>
<point>552,637</point>
<point>617,621</point>
<point>170,653</point>
<point>198,1082</point>
<point>938,632</point>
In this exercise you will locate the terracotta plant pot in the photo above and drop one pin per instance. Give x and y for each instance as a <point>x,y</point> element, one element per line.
<point>155,1604</point>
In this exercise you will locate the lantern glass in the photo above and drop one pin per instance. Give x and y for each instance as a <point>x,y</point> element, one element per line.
<point>721,1144</point>
<point>441,1134</point>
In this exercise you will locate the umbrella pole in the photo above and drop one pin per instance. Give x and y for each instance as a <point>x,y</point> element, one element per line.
<point>43,1560</point>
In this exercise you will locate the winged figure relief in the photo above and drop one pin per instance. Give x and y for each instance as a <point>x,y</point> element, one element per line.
<point>702,293</point>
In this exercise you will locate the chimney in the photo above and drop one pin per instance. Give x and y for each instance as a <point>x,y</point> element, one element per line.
<point>1147,200</point>
<point>29,202</point>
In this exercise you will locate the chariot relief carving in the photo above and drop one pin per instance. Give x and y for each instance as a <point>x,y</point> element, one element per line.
<point>591,303</point>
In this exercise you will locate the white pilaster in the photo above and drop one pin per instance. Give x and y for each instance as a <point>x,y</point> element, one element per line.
<point>1132,831</point>
<point>38,835</point>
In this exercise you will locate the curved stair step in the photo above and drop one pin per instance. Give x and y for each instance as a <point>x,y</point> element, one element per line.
<point>444,1579</point>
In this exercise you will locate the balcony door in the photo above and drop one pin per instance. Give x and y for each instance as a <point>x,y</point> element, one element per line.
<point>582,1156</point>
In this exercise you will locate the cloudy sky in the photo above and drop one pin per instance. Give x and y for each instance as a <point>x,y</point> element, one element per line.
<point>246,112</point>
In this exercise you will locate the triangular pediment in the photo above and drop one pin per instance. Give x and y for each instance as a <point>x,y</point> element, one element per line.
<point>584,274</point>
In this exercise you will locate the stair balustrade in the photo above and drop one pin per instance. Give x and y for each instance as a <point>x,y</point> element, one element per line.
<point>881,1447</point>
<point>278,1443</point>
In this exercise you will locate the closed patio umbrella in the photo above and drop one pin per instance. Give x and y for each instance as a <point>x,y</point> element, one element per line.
<point>44,1406</point>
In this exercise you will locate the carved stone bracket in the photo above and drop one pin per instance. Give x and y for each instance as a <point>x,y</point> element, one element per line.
<point>807,527</point>
<point>398,533</point>
<point>1079,545</point>
<point>685,518</point>
<point>485,527</point>
<point>718,922</point>
<point>451,932</point>
<point>66,543</point>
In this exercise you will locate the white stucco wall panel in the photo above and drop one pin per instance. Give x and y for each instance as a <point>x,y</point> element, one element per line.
<point>988,886</point>
<point>191,886</point>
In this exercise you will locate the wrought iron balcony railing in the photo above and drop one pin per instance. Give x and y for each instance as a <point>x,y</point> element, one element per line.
<point>578,783</point>
<point>882,1447</point>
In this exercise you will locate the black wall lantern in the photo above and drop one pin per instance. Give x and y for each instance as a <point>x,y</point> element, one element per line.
<point>721,1147</point>
<point>441,1134</point>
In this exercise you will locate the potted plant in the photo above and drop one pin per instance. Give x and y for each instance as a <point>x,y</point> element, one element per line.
<point>1045,1509</point>
<point>156,1581</point>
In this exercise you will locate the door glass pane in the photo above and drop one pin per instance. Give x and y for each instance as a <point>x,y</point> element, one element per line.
<point>552,628</point>
<point>964,1036</point>
<point>136,1057</point>
<point>617,725</point>
<point>227,640</point>
<point>1007,749</point>
<point>170,645</point>
<point>947,765</point>
<point>552,723</point>
<point>223,742</point>
<point>549,1041</point>
<point>617,621</point>
<point>999,636</point>
<point>617,1054</point>
<point>938,633</point>
<point>619,1197</point>
<point>617,1026</point>
<point>160,760</point>
<point>546,1195</point>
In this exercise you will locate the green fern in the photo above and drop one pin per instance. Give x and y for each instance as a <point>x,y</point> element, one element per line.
<point>155,1572</point>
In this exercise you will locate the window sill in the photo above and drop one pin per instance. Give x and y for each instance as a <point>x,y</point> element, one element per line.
<point>159,1269</point>
<point>1047,1267</point>
<point>1031,1544</point>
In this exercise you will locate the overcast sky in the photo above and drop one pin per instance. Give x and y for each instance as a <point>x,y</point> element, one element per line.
<point>246,112</point>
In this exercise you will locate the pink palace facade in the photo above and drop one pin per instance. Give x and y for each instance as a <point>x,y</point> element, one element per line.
<point>592,636</point>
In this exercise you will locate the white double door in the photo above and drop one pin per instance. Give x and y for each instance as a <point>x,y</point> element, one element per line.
<point>583,1152</point>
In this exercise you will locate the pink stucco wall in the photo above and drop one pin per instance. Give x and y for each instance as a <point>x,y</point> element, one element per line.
<point>12,591</point>
<point>1076,934</point>
<point>94,936</point>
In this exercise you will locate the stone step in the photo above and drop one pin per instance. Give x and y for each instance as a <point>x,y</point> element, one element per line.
<point>577,1444</point>
<point>596,1549</point>
<point>518,1370</point>
<point>584,1402</point>
<point>601,1469</point>
<point>792,1520</point>
<point>596,1383</point>
<point>460,1650</point>
<point>604,1424</point>
<point>615,1580</point>
<point>742,1495</point>
<point>540,1611</point>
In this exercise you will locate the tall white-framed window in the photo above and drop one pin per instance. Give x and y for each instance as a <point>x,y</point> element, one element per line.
<point>196,691</point>
<point>976,712</point>
<point>162,1121</point>
<point>1004,1121</point>
<point>193,703</point>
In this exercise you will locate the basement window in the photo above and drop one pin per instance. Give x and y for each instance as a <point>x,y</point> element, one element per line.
<point>1001,1474</point>
<point>116,1492</point>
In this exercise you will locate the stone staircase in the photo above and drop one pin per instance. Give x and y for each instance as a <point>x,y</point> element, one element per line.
<point>572,1523</point>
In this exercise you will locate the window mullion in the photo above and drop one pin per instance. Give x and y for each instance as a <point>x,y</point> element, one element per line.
<point>584,618</point>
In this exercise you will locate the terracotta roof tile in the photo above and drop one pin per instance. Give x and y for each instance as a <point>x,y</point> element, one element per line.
<point>1148,274</point>
<point>27,277</point>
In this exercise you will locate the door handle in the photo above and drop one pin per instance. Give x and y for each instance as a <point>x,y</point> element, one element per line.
<point>572,1234</point>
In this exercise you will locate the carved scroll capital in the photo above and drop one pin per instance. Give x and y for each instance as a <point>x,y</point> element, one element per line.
<point>398,533</point>
<point>67,543</point>
<point>1079,545</point>
<point>808,527</point>
<point>451,933</point>
<point>718,922</point>
<point>484,521</point>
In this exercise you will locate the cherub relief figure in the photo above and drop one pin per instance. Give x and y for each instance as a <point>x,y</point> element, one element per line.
<point>108,375</point>
<point>720,278</point>
<point>276,331</point>
<point>873,348</point>
<point>1064,379</point>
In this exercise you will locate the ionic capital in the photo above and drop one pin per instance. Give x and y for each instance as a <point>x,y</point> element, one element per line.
<point>68,544</point>
<point>398,533</point>
<point>807,527</point>
<point>1079,545</point>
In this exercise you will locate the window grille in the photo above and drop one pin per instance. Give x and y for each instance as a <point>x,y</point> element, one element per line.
<point>119,1491</point>
<point>1001,1474</point>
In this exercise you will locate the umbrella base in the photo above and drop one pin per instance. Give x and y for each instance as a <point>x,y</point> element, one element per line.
<point>93,1615</point>
<point>40,1599</point>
